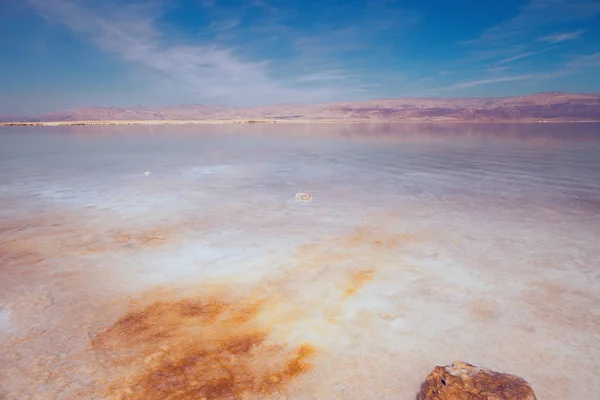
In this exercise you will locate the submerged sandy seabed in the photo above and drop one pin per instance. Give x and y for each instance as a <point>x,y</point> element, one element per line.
<point>206,279</point>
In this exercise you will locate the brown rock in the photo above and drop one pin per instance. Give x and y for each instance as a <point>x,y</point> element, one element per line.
<point>462,381</point>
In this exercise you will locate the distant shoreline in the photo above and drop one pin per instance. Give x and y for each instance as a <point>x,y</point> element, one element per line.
<point>535,108</point>
<point>283,121</point>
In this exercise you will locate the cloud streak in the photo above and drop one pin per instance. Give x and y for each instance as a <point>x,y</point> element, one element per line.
<point>435,76</point>
<point>512,39</point>
<point>562,37</point>
<point>523,55</point>
<point>479,82</point>
<point>583,62</point>
<point>512,78</point>
<point>212,72</point>
<point>536,29</point>
<point>539,14</point>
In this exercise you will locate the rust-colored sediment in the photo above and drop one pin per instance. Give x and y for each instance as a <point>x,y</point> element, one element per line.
<point>153,237</point>
<point>30,240</point>
<point>358,280</point>
<point>367,236</point>
<point>199,348</point>
<point>209,342</point>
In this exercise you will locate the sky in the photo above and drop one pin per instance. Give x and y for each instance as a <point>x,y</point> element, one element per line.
<point>63,54</point>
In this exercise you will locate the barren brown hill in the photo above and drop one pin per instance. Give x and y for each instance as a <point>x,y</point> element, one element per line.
<point>551,106</point>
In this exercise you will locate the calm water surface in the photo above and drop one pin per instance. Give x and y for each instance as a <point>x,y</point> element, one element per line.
<point>423,244</point>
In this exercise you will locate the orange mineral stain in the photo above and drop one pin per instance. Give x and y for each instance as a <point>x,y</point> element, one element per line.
<point>358,280</point>
<point>199,348</point>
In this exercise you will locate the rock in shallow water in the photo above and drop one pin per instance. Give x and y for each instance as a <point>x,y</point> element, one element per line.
<point>462,381</point>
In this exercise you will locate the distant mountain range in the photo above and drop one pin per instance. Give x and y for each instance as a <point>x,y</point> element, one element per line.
<point>553,106</point>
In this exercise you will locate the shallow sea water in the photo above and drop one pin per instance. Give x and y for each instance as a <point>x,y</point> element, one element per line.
<point>423,244</point>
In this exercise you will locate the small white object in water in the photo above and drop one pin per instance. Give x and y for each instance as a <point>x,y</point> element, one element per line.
<point>147,173</point>
<point>303,197</point>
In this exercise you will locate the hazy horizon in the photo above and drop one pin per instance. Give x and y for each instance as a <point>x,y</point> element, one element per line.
<point>563,98</point>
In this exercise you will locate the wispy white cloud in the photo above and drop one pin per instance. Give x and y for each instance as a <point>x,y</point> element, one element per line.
<point>511,40</point>
<point>538,14</point>
<point>489,81</point>
<point>325,76</point>
<point>435,76</point>
<point>562,37</point>
<point>535,29</point>
<point>214,72</point>
<point>479,82</point>
<point>523,55</point>
<point>496,69</point>
<point>208,3</point>
<point>224,25</point>
<point>587,61</point>
<point>364,30</point>
<point>576,65</point>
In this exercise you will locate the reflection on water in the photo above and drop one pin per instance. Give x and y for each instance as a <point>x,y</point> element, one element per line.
<point>424,243</point>
<point>525,162</point>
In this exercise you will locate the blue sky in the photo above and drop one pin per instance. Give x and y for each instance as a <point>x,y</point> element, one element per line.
<point>60,54</point>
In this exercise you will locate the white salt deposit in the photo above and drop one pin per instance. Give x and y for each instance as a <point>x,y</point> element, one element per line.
<point>5,323</point>
<point>424,245</point>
